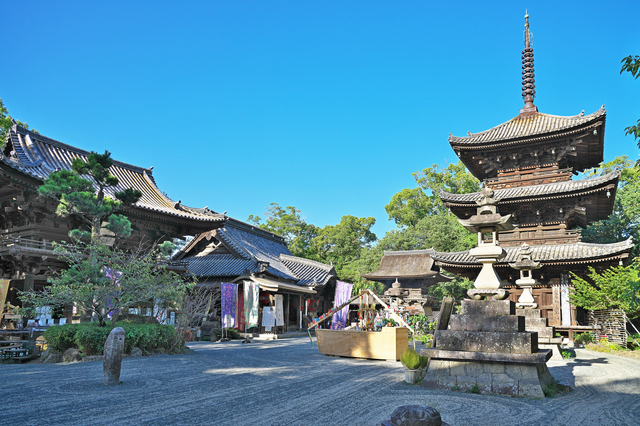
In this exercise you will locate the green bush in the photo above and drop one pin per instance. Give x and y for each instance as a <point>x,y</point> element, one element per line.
<point>604,346</point>
<point>90,338</point>
<point>583,338</point>
<point>410,358</point>
<point>61,337</point>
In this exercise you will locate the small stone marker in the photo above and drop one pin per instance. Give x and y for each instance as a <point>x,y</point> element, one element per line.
<point>113,348</point>
<point>415,415</point>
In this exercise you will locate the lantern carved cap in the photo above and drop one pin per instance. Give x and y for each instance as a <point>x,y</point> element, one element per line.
<point>525,261</point>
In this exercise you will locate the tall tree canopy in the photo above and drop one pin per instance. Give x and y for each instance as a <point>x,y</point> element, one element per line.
<point>631,64</point>
<point>624,221</point>
<point>288,223</point>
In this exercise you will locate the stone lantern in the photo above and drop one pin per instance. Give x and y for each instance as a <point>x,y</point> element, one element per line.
<point>525,265</point>
<point>488,222</point>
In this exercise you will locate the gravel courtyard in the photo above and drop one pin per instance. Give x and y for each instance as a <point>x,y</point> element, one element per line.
<point>287,382</point>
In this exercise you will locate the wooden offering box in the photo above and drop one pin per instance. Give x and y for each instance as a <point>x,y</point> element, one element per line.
<point>386,344</point>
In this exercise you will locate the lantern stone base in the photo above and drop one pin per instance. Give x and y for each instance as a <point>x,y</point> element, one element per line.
<point>502,378</point>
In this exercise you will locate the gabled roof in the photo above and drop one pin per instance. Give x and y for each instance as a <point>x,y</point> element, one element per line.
<point>37,156</point>
<point>548,191</point>
<point>525,126</point>
<point>546,254</point>
<point>249,247</point>
<point>404,264</point>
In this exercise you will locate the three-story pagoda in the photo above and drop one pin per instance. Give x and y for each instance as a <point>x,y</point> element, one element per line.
<point>529,162</point>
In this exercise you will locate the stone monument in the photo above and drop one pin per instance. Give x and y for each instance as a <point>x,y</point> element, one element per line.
<point>113,348</point>
<point>486,348</point>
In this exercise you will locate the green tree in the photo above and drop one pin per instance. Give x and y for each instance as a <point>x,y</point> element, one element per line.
<point>106,281</point>
<point>631,64</point>
<point>614,288</point>
<point>342,244</point>
<point>440,232</point>
<point>457,288</point>
<point>625,219</point>
<point>288,223</point>
<point>86,200</point>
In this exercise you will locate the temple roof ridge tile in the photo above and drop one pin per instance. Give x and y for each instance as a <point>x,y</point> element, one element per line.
<point>579,251</point>
<point>524,126</point>
<point>504,194</point>
<point>54,155</point>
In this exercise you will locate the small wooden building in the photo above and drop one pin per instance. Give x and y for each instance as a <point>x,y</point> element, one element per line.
<point>238,252</point>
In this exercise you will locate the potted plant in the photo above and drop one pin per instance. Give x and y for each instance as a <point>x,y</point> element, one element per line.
<point>410,358</point>
<point>424,363</point>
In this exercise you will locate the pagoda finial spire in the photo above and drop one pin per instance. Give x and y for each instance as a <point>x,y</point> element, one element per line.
<point>528,75</point>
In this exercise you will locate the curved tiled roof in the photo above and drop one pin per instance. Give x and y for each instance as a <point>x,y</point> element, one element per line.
<point>527,126</point>
<point>38,156</point>
<point>404,264</point>
<point>549,254</point>
<point>251,245</point>
<point>308,272</point>
<point>552,190</point>
<point>225,265</point>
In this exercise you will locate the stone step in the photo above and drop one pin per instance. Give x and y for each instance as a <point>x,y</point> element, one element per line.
<point>487,341</point>
<point>488,307</point>
<point>535,322</point>
<point>511,323</point>
<point>529,313</point>
<point>546,332</point>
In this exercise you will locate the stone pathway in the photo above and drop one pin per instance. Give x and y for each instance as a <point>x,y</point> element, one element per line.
<point>287,382</point>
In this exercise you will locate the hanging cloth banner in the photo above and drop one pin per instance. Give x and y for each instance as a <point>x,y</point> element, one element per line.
<point>279,311</point>
<point>241,310</point>
<point>229,301</point>
<point>268,318</point>
<point>251,290</point>
<point>343,293</point>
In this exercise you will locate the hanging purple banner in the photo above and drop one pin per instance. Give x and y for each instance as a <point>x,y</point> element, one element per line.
<point>229,302</point>
<point>343,293</point>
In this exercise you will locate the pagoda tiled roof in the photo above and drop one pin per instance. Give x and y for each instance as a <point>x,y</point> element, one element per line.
<point>38,156</point>
<point>526,126</point>
<point>251,246</point>
<point>548,254</point>
<point>548,190</point>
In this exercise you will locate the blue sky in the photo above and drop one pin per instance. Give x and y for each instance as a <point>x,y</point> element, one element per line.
<point>327,106</point>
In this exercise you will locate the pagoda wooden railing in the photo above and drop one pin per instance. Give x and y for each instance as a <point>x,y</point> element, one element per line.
<point>25,243</point>
<point>535,236</point>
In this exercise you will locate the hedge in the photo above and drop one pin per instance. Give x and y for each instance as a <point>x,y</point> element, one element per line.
<point>90,338</point>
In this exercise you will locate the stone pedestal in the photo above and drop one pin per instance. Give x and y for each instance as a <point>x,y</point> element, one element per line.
<point>486,348</point>
<point>533,322</point>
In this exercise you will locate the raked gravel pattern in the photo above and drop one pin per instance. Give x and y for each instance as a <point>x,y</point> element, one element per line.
<point>287,382</point>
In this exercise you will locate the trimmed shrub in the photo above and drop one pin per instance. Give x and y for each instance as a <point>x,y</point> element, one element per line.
<point>90,338</point>
<point>61,337</point>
